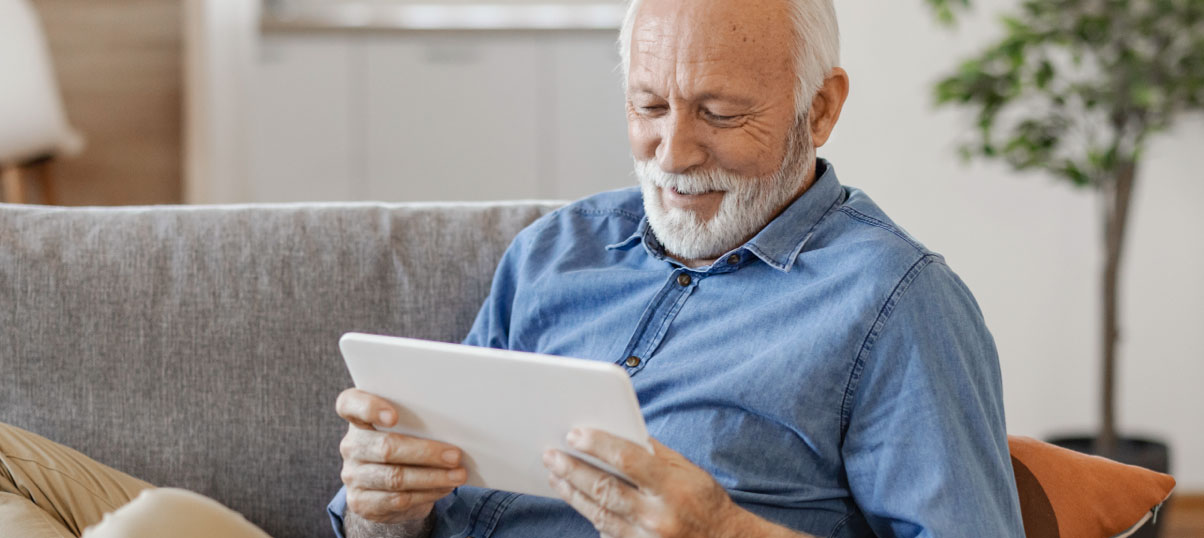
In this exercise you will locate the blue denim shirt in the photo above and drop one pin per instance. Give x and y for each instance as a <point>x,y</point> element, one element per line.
<point>833,374</point>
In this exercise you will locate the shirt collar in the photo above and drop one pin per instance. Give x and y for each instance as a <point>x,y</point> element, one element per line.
<point>780,242</point>
<point>632,239</point>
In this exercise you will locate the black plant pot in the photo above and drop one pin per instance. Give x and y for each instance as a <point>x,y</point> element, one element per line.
<point>1152,455</point>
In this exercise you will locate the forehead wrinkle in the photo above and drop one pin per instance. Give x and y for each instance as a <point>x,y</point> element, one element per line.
<point>687,53</point>
<point>648,43</point>
<point>684,61</point>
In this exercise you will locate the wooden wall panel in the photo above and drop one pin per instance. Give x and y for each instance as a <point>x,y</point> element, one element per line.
<point>119,64</point>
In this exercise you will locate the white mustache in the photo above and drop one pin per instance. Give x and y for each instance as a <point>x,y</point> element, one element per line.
<point>693,183</point>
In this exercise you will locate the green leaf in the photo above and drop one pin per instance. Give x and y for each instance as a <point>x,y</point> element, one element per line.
<point>946,10</point>
<point>1145,95</point>
<point>1071,171</point>
<point>966,153</point>
<point>1044,75</point>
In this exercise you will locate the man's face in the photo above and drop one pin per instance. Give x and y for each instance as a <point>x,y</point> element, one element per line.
<point>711,115</point>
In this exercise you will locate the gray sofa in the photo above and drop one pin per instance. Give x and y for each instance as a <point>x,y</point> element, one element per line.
<point>197,347</point>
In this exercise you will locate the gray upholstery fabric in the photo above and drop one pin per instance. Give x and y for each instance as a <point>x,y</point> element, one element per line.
<point>197,347</point>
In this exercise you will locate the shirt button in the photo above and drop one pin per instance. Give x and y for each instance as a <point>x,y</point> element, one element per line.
<point>733,259</point>
<point>684,279</point>
<point>633,361</point>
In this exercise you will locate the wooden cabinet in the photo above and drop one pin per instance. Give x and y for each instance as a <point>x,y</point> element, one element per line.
<point>301,124</point>
<point>436,115</point>
<point>588,151</point>
<point>451,117</point>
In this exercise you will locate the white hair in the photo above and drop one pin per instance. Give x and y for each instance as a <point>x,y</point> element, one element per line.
<point>816,52</point>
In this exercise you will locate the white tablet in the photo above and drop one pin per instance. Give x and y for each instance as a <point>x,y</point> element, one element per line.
<point>502,408</point>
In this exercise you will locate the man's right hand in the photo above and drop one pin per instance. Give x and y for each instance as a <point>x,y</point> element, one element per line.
<point>392,478</point>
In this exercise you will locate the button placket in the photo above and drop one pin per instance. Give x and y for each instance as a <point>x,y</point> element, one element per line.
<point>655,321</point>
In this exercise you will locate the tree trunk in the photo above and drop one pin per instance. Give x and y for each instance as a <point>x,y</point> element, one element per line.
<point>1117,197</point>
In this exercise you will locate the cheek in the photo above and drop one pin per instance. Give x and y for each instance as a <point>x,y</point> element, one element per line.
<point>746,155</point>
<point>643,138</point>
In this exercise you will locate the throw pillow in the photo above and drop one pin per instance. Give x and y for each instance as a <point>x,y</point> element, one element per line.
<point>1065,494</point>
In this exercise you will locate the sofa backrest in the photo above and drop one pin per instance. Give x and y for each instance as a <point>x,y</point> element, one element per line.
<point>196,347</point>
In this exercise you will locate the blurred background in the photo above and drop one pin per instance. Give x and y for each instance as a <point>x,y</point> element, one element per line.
<point>210,101</point>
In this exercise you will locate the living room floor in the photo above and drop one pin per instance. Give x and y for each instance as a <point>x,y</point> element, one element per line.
<point>1185,517</point>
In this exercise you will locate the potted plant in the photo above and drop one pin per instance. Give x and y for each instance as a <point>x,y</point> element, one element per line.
<point>1076,89</point>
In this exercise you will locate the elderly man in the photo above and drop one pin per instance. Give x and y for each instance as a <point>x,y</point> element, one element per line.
<point>808,368</point>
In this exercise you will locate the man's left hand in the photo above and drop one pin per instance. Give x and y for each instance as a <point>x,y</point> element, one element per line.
<point>672,497</point>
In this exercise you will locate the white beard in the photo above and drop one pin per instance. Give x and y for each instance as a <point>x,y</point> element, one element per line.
<point>747,206</point>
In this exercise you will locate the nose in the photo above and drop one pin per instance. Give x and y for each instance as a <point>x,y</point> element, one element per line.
<point>680,148</point>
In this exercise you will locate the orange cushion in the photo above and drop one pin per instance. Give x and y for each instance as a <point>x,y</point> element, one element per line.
<point>1065,494</point>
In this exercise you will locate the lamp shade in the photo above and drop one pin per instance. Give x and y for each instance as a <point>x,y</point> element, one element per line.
<point>32,121</point>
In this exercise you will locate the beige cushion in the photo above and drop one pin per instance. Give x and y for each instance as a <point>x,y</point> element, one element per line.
<point>173,512</point>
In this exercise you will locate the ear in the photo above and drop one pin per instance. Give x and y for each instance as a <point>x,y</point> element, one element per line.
<point>826,107</point>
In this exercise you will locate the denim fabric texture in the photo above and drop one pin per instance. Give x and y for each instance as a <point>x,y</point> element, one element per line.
<point>833,374</point>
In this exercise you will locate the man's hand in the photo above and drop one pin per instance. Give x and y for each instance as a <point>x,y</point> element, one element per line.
<point>391,478</point>
<point>672,498</point>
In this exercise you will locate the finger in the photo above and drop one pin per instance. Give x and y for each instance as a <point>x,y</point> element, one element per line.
<point>393,448</point>
<point>661,450</point>
<point>603,488</point>
<point>365,410</point>
<point>400,478</point>
<point>631,459</point>
<point>386,505</point>
<point>607,523</point>
<point>671,459</point>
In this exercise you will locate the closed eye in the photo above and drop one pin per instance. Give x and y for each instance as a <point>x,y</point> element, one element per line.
<point>654,110</point>
<point>719,118</point>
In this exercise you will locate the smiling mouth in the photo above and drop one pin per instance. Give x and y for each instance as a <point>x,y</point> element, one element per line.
<point>682,193</point>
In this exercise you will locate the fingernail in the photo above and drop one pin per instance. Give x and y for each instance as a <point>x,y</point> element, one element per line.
<point>549,458</point>
<point>451,456</point>
<point>386,418</point>
<point>457,475</point>
<point>574,436</point>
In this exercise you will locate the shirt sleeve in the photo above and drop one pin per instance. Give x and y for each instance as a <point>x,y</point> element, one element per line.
<point>336,509</point>
<point>492,325</point>
<point>926,444</point>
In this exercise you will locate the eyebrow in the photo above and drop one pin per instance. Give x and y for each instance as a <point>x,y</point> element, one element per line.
<point>734,99</point>
<point>704,97</point>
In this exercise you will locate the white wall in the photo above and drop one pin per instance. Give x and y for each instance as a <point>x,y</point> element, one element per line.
<point>1028,246</point>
